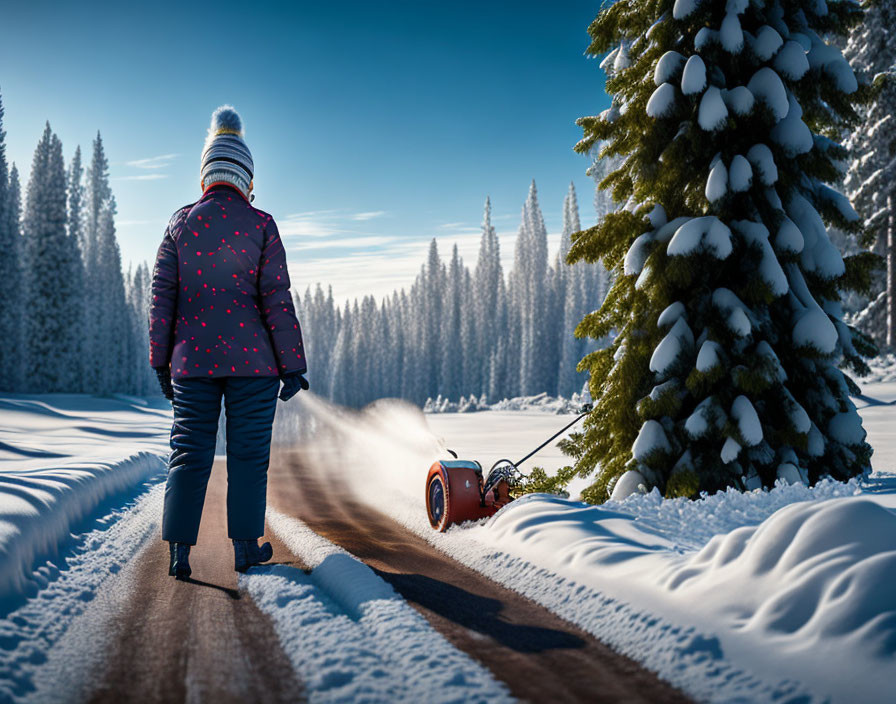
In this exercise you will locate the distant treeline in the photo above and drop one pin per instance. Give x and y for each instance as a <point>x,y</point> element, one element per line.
<point>458,332</point>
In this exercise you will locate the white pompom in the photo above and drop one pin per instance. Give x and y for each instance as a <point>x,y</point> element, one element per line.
<point>226,119</point>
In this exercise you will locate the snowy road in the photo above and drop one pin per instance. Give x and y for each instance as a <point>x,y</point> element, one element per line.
<point>367,603</point>
<point>355,608</point>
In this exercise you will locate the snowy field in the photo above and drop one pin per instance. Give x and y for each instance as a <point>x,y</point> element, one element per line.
<point>735,597</point>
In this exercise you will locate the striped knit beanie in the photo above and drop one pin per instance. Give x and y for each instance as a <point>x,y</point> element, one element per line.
<point>225,156</point>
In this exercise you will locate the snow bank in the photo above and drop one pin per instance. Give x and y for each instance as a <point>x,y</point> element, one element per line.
<point>61,456</point>
<point>350,637</point>
<point>808,586</point>
<point>38,509</point>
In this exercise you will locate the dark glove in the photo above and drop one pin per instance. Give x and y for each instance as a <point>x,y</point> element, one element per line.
<point>292,382</point>
<point>164,375</point>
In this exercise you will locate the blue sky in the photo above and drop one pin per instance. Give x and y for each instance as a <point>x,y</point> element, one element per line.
<point>374,126</point>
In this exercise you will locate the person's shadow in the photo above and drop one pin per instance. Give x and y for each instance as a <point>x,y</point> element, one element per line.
<point>478,613</point>
<point>235,593</point>
<point>232,593</point>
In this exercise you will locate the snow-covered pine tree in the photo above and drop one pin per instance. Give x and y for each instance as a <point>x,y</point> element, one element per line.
<point>410,318</point>
<point>450,349</point>
<point>539,362</point>
<point>433,293</point>
<point>76,197</point>
<point>486,278</point>
<point>518,314</point>
<point>724,371</point>
<point>554,303</point>
<point>363,344</point>
<point>529,282</point>
<point>79,342</point>
<point>469,360</point>
<point>341,379</point>
<point>10,280</point>
<point>16,253</point>
<point>318,317</point>
<point>138,311</point>
<point>327,324</point>
<point>112,328</point>
<point>871,180</point>
<point>97,194</point>
<point>385,362</point>
<point>576,284</point>
<point>49,267</point>
<point>498,334</point>
<point>397,332</point>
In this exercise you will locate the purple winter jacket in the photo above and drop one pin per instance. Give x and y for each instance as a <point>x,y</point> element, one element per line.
<point>220,293</point>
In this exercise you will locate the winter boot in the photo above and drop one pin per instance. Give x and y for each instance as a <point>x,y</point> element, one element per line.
<point>247,553</point>
<point>179,567</point>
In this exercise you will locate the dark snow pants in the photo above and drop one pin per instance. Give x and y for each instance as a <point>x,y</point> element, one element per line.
<point>249,405</point>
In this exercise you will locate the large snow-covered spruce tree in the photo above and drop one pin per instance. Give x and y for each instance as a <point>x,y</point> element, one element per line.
<point>725,366</point>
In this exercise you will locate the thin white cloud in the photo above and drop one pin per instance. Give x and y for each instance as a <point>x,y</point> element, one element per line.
<point>294,226</point>
<point>369,215</point>
<point>344,243</point>
<point>311,214</point>
<point>153,162</point>
<point>141,177</point>
<point>325,223</point>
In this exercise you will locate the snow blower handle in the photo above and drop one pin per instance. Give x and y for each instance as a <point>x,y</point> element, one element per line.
<point>586,409</point>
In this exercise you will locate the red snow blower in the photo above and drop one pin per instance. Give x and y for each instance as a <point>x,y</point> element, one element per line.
<point>456,490</point>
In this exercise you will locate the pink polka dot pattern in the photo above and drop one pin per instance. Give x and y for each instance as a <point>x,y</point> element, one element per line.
<point>232,315</point>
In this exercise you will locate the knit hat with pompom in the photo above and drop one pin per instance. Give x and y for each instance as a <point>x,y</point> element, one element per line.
<point>225,156</point>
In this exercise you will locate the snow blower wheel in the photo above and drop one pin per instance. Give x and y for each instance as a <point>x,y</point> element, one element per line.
<point>454,494</point>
